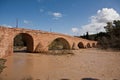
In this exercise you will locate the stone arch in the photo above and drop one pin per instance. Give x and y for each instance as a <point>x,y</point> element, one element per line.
<point>23,42</point>
<point>59,44</point>
<point>88,45</point>
<point>80,45</point>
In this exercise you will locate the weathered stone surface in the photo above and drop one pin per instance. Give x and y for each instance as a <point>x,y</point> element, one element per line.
<point>38,41</point>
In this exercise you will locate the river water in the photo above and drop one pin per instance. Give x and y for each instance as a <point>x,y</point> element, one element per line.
<point>86,63</point>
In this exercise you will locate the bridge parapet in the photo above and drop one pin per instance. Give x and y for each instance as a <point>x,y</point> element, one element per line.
<point>39,40</point>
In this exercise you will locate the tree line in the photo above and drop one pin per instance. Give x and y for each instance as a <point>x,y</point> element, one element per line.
<point>111,39</point>
<point>108,39</point>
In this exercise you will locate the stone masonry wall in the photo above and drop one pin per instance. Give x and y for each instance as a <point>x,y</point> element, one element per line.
<point>41,40</point>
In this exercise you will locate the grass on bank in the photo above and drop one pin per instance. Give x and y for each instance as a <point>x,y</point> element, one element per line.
<point>2,64</point>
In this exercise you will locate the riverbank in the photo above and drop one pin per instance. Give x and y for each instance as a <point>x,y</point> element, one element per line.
<point>85,63</point>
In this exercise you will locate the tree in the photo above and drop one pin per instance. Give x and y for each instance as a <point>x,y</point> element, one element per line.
<point>109,27</point>
<point>87,35</point>
<point>112,35</point>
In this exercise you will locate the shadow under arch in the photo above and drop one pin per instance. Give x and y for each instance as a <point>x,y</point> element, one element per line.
<point>88,45</point>
<point>23,42</point>
<point>89,79</point>
<point>59,44</point>
<point>80,45</point>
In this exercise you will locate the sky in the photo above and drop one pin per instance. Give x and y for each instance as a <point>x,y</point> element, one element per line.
<point>72,17</point>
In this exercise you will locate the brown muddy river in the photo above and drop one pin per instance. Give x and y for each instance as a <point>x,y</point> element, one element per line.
<point>86,64</point>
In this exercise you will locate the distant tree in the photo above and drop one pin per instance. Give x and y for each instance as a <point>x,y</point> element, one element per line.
<point>116,28</point>
<point>111,39</point>
<point>87,35</point>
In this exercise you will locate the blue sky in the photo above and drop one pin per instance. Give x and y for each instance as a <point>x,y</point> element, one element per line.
<point>73,17</point>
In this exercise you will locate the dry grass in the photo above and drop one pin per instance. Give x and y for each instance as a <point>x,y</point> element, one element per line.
<point>58,52</point>
<point>2,64</point>
<point>27,78</point>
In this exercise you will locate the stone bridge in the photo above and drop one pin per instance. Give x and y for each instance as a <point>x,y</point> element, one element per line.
<point>39,41</point>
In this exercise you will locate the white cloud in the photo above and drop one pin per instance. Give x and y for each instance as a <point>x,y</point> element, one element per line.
<point>7,25</point>
<point>105,15</point>
<point>56,15</point>
<point>26,22</point>
<point>41,10</point>
<point>98,21</point>
<point>75,30</point>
